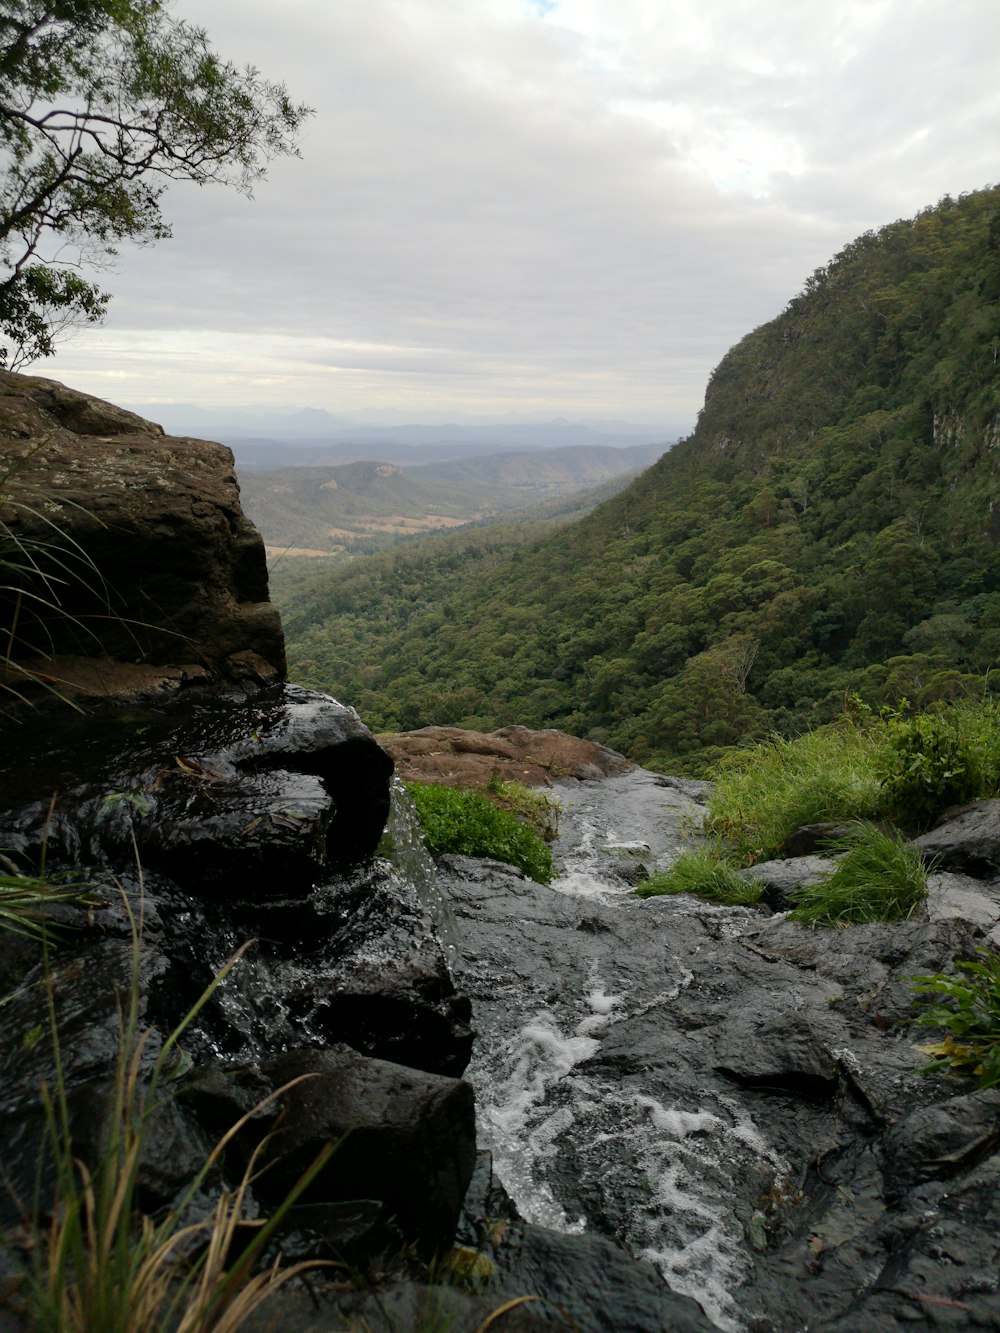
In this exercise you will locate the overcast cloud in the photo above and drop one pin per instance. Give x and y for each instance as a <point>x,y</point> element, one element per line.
<point>562,206</point>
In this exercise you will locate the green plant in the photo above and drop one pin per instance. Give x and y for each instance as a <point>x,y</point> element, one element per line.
<point>25,900</point>
<point>766,791</point>
<point>103,104</point>
<point>880,877</point>
<point>932,760</point>
<point>94,1260</point>
<point>535,808</point>
<point>968,1007</point>
<point>701,873</point>
<point>465,822</point>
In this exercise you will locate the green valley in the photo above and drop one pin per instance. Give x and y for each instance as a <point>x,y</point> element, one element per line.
<point>829,529</point>
<point>367,505</point>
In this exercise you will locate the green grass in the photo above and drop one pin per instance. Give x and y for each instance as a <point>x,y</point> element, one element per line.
<point>880,877</point>
<point>25,901</point>
<point>766,791</point>
<point>900,766</point>
<point>968,1007</point>
<point>465,822</point>
<point>94,1260</point>
<point>537,809</point>
<point>702,874</point>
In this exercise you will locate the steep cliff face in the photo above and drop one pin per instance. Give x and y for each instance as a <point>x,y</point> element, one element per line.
<point>131,547</point>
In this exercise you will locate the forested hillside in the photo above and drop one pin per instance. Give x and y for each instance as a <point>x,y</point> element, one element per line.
<point>831,526</point>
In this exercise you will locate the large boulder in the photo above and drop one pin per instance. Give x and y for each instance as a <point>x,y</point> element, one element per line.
<point>251,794</point>
<point>148,557</point>
<point>405,1137</point>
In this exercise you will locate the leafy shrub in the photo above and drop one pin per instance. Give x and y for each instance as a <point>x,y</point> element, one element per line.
<point>968,1007</point>
<point>705,876</point>
<point>465,822</point>
<point>933,760</point>
<point>880,877</point>
<point>766,791</point>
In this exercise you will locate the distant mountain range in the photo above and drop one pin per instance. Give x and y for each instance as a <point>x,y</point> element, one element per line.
<point>269,438</point>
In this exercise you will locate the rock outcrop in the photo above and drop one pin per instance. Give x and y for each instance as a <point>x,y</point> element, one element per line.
<point>458,757</point>
<point>148,569</point>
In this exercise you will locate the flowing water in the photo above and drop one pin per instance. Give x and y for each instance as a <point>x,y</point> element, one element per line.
<point>596,1105</point>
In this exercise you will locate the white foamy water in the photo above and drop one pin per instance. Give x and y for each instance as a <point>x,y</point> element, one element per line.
<point>543,1092</point>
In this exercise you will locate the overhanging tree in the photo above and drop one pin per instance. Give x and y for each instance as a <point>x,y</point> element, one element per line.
<point>102,104</point>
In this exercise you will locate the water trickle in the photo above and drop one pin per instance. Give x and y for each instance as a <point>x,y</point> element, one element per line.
<point>598,1111</point>
<point>403,847</point>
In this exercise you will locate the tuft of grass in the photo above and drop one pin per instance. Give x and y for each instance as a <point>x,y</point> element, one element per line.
<point>465,822</point>
<point>702,874</point>
<point>25,901</point>
<point>968,1008</point>
<point>537,809</point>
<point>94,1260</point>
<point>880,877</point>
<point>766,791</point>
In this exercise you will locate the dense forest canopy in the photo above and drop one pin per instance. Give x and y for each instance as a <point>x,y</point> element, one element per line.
<point>830,527</point>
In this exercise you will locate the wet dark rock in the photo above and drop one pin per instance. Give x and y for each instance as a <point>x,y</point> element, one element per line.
<point>942,1141</point>
<point>785,1052</point>
<point>591,1284</point>
<point>395,1307</point>
<point>968,842</point>
<point>206,819</point>
<point>359,961</point>
<point>405,1137</point>
<point>812,838</point>
<point>261,790</point>
<point>174,1147</point>
<point>781,879</point>
<point>741,1098</point>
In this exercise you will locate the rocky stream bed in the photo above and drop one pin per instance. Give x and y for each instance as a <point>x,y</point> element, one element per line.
<point>676,1116</point>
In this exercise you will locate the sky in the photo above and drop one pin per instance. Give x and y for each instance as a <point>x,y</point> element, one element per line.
<point>539,207</point>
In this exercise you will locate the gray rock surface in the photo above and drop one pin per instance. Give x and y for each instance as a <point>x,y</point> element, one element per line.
<point>953,895</point>
<point>782,878</point>
<point>967,842</point>
<point>739,1098</point>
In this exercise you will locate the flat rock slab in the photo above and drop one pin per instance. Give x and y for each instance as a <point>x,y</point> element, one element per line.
<point>953,895</point>
<point>460,758</point>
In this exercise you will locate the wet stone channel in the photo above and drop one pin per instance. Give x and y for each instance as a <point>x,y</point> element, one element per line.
<point>722,1092</point>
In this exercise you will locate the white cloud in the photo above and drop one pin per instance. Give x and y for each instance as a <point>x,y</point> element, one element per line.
<point>507,202</point>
